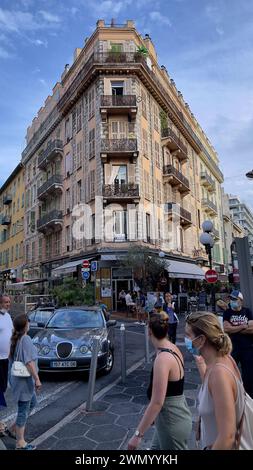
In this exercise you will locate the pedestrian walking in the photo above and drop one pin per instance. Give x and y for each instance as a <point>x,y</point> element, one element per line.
<point>23,388</point>
<point>6,327</point>
<point>238,323</point>
<point>221,397</point>
<point>169,308</point>
<point>168,408</point>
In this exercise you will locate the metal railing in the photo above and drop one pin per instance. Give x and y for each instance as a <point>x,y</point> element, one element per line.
<point>118,100</point>
<point>207,178</point>
<point>172,207</point>
<point>118,145</point>
<point>169,133</point>
<point>7,199</point>
<point>54,146</point>
<point>122,190</point>
<point>54,215</point>
<point>207,203</point>
<point>54,180</point>
<point>171,170</point>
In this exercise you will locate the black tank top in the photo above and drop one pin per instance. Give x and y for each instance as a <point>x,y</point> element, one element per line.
<point>174,388</point>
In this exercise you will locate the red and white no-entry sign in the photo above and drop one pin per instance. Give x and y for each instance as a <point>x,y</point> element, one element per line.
<point>86,263</point>
<point>211,276</point>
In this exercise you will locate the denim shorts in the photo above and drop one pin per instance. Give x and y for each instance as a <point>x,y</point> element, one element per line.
<point>24,409</point>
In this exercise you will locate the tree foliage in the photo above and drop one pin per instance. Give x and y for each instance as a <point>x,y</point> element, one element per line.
<point>147,267</point>
<point>71,293</point>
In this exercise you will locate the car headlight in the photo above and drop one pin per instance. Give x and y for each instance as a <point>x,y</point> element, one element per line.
<point>37,346</point>
<point>84,349</point>
<point>44,350</point>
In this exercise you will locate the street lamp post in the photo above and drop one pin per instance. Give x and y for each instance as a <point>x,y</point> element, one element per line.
<point>207,240</point>
<point>162,256</point>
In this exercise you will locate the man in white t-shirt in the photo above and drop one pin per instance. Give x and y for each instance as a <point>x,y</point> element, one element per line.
<point>6,327</point>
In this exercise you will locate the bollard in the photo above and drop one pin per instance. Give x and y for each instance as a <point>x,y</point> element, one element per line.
<point>147,358</point>
<point>123,352</point>
<point>92,374</point>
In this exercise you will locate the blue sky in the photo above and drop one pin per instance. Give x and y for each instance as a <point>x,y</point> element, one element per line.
<point>206,46</point>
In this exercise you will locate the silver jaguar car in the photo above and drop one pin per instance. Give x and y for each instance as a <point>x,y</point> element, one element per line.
<point>64,342</point>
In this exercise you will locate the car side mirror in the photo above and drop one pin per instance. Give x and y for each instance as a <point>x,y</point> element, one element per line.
<point>41,324</point>
<point>111,323</point>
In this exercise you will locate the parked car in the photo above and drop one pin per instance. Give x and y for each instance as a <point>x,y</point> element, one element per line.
<point>65,340</point>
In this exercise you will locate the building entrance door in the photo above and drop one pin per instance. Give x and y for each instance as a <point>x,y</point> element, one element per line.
<point>118,286</point>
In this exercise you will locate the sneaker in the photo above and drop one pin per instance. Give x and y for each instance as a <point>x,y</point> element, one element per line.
<point>26,447</point>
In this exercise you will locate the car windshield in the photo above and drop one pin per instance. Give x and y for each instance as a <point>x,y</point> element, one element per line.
<point>76,319</point>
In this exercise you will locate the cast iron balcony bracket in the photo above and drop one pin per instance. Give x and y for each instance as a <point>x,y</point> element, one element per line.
<point>53,149</point>
<point>51,183</point>
<point>170,170</point>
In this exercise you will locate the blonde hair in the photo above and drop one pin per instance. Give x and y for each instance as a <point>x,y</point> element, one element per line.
<point>207,324</point>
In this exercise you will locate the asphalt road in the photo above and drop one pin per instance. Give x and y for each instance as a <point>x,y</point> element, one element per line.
<point>63,392</point>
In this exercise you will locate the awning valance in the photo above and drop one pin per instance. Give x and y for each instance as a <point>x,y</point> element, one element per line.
<point>184,270</point>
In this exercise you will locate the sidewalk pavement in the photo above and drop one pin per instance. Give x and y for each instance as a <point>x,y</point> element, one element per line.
<point>116,414</point>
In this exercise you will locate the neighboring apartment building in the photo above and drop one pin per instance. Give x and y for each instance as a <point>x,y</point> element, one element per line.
<point>117,135</point>
<point>243,216</point>
<point>232,230</point>
<point>12,226</point>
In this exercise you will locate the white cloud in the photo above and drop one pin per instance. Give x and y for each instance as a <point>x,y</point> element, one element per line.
<point>47,16</point>
<point>106,7</point>
<point>159,18</point>
<point>219,30</point>
<point>74,11</point>
<point>39,42</point>
<point>15,21</point>
<point>43,82</point>
<point>36,70</point>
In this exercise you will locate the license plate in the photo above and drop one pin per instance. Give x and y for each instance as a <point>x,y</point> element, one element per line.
<point>63,364</point>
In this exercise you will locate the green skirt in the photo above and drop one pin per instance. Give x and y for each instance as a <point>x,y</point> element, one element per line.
<point>173,425</point>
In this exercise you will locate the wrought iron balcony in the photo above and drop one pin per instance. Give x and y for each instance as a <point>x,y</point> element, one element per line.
<point>54,149</point>
<point>119,147</point>
<point>174,143</point>
<point>121,191</point>
<point>5,220</point>
<point>207,181</point>
<point>177,178</point>
<point>172,208</point>
<point>52,220</point>
<point>209,206</point>
<point>7,199</point>
<point>53,185</point>
<point>114,104</point>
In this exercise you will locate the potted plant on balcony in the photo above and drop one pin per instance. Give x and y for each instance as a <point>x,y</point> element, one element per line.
<point>115,55</point>
<point>141,52</point>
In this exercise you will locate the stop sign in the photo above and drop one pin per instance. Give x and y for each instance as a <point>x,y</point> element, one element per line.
<point>86,263</point>
<point>211,276</point>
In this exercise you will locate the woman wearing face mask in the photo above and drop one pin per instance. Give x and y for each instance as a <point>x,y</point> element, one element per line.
<point>167,407</point>
<point>23,388</point>
<point>221,397</point>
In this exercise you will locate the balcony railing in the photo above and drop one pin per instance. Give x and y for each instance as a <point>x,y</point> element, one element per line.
<point>53,149</point>
<point>55,217</point>
<point>52,184</point>
<point>209,205</point>
<point>125,190</point>
<point>7,199</point>
<point>170,170</point>
<point>174,143</point>
<point>5,220</point>
<point>174,208</point>
<point>207,180</point>
<point>119,101</point>
<point>118,145</point>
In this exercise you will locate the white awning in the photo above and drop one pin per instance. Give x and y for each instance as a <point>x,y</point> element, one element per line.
<point>184,270</point>
<point>69,267</point>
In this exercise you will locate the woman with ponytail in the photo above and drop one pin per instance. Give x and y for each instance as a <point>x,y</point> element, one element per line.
<point>221,397</point>
<point>168,408</point>
<point>23,388</point>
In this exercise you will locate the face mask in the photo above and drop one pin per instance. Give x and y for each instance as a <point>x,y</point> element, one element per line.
<point>190,347</point>
<point>234,304</point>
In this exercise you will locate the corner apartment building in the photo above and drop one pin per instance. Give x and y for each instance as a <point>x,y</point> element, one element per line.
<point>117,135</point>
<point>12,208</point>
<point>243,216</point>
